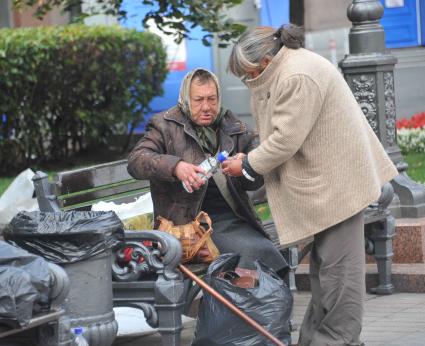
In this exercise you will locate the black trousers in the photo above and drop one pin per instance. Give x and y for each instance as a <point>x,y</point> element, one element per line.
<point>233,235</point>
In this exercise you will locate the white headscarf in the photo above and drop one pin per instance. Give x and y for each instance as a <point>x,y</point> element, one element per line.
<point>184,95</point>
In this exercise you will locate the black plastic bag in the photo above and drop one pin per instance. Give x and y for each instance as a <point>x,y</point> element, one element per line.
<point>269,304</point>
<point>66,236</point>
<point>25,280</point>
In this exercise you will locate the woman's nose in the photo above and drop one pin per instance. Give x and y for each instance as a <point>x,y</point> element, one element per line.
<point>205,105</point>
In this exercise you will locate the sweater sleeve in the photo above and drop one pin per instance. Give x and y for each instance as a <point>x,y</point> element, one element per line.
<point>296,109</point>
<point>149,159</point>
<point>249,142</point>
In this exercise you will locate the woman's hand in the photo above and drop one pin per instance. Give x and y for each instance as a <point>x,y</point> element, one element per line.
<point>188,174</point>
<point>233,165</point>
<point>238,156</point>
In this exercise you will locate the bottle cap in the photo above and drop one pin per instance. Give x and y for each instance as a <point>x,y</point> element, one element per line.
<point>222,156</point>
<point>78,330</point>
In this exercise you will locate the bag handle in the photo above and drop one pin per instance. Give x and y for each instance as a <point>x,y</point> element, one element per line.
<point>202,216</point>
<point>200,243</point>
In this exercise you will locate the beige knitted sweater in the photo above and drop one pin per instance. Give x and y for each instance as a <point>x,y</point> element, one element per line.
<point>322,163</point>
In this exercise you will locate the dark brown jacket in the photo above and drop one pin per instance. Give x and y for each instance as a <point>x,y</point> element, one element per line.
<point>170,138</point>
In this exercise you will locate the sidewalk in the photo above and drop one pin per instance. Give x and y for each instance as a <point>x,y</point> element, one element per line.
<point>395,320</point>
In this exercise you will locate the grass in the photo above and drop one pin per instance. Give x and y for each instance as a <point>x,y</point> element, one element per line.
<point>416,170</point>
<point>263,212</point>
<point>4,183</point>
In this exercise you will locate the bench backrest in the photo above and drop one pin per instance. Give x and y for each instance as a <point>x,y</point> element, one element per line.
<point>81,188</point>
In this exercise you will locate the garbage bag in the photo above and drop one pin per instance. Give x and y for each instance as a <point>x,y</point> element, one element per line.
<point>18,197</point>
<point>269,304</point>
<point>66,236</point>
<point>25,281</point>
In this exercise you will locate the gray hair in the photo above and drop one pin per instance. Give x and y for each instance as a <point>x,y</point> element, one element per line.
<point>260,42</point>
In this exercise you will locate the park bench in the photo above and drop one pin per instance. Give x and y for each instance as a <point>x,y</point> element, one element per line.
<point>79,189</point>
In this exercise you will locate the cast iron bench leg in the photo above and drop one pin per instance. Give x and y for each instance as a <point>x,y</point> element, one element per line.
<point>381,234</point>
<point>169,301</point>
<point>293,265</point>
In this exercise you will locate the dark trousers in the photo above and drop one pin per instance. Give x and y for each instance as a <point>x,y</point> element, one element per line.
<point>337,275</point>
<point>233,235</point>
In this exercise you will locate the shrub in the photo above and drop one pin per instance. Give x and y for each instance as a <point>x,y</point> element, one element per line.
<point>65,88</point>
<point>411,134</point>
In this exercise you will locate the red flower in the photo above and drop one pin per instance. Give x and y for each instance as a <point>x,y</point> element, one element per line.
<point>416,122</point>
<point>402,123</point>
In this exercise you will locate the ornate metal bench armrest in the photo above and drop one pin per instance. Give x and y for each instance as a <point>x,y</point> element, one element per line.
<point>162,259</point>
<point>387,195</point>
<point>384,200</point>
<point>47,201</point>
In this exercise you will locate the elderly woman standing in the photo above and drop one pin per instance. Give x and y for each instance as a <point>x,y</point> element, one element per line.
<point>180,138</point>
<point>322,166</point>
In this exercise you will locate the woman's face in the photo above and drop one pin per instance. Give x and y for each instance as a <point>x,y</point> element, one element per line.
<point>255,72</point>
<point>203,102</point>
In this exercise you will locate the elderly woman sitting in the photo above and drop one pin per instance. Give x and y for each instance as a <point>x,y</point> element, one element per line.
<point>180,138</point>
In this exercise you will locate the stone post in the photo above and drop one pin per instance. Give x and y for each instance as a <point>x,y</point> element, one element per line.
<point>369,71</point>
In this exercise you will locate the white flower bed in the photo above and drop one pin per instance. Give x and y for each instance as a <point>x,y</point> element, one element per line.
<point>411,140</point>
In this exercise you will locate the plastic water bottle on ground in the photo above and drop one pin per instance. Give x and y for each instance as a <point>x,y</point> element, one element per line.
<point>210,165</point>
<point>79,339</point>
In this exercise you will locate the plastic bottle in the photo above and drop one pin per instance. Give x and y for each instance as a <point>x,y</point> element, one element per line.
<point>210,165</point>
<point>79,339</point>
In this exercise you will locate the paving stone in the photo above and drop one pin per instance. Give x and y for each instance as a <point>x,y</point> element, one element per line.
<point>395,320</point>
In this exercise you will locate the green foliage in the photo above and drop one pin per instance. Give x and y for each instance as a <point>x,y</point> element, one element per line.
<point>416,162</point>
<point>65,88</point>
<point>263,211</point>
<point>4,184</point>
<point>174,17</point>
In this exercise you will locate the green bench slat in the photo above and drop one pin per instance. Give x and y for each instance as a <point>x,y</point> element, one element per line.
<point>86,178</point>
<point>131,190</point>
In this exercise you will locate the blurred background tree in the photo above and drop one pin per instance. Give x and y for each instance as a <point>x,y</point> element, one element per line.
<point>175,17</point>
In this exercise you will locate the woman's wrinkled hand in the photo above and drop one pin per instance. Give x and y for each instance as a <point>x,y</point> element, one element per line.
<point>238,156</point>
<point>233,166</point>
<point>188,174</point>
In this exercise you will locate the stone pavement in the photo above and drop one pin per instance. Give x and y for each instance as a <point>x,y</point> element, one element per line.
<point>395,320</point>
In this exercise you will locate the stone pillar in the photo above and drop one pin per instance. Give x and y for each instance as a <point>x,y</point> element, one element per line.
<point>369,71</point>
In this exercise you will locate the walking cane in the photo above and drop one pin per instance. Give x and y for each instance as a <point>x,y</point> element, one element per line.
<point>229,305</point>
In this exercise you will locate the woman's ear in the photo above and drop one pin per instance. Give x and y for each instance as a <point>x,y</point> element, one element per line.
<point>264,62</point>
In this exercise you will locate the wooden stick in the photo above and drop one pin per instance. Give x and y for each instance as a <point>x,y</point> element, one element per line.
<point>229,305</point>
